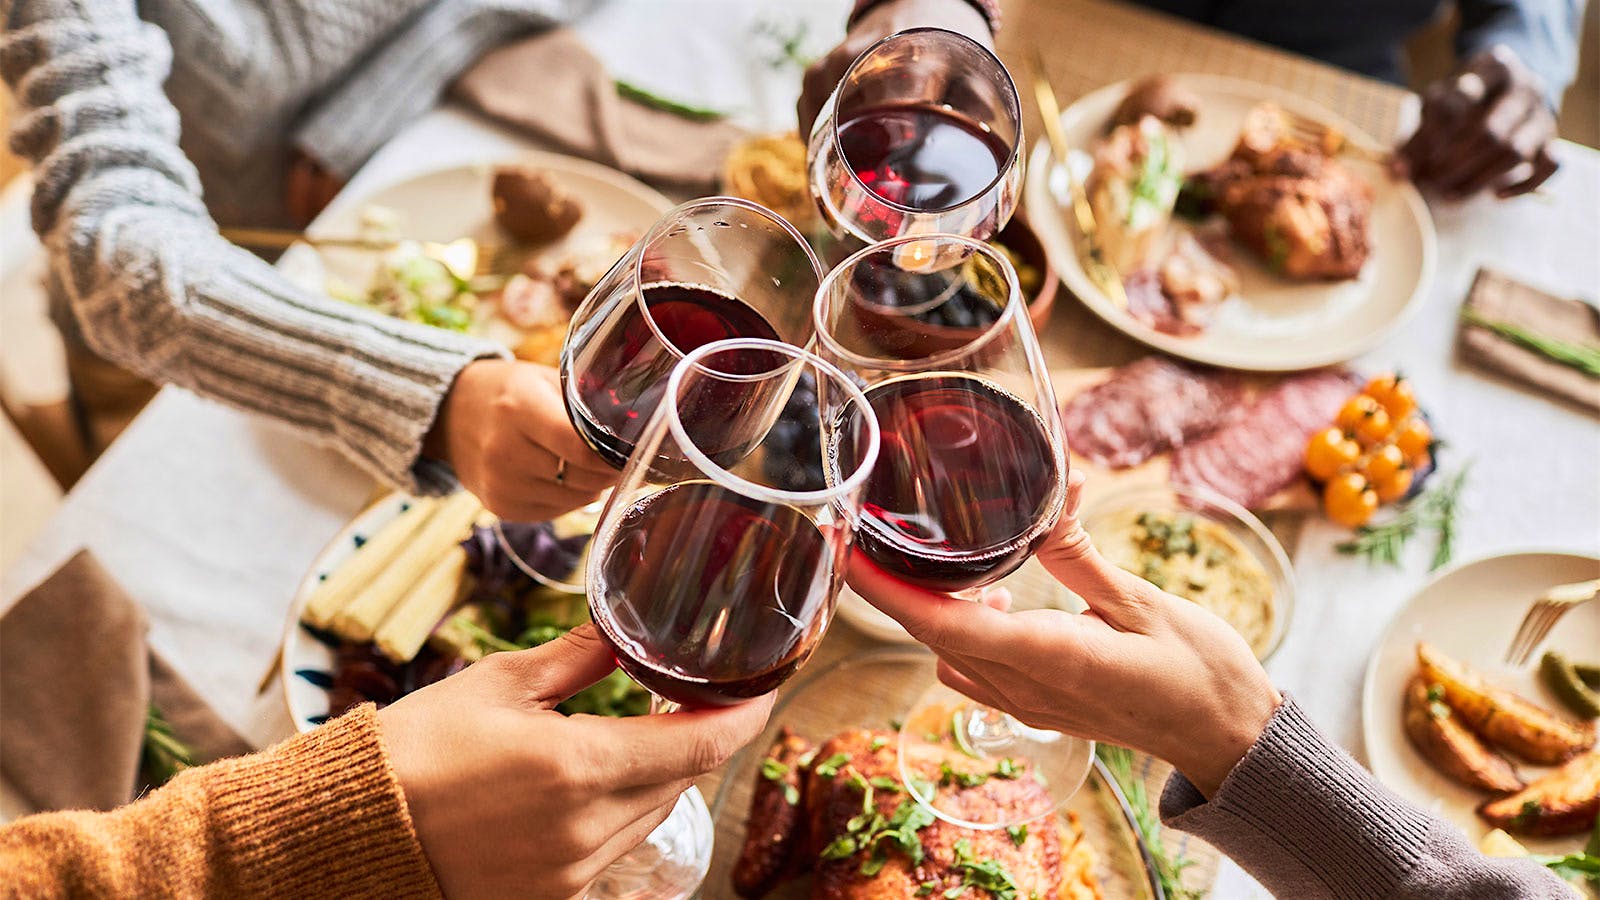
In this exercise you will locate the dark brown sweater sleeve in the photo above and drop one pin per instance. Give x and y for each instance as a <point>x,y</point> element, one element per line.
<point>1307,821</point>
<point>318,815</point>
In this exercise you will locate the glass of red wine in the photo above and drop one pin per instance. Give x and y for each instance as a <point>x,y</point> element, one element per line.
<point>713,268</point>
<point>719,556</point>
<point>971,477</point>
<point>922,135</point>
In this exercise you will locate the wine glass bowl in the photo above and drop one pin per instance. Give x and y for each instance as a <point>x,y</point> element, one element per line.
<point>922,135</point>
<point>709,577</point>
<point>972,473</point>
<point>711,269</point>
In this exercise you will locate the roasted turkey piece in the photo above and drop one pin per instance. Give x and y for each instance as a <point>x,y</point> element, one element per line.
<point>784,840</point>
<point>1292,204</point>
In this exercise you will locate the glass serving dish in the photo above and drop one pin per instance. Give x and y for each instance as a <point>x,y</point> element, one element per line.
<point>1105,517</point>
<point>868,690</point>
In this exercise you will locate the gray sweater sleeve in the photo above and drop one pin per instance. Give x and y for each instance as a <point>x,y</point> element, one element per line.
<point>156,289</point>
<point>1307,821</point>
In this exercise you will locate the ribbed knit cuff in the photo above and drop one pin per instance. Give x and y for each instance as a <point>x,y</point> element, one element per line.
<point>320,815</point>
<point>1303,817</point>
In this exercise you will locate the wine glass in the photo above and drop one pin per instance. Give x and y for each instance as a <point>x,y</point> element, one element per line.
<point>713,268</point>
<point>922,135</point>
<point>971,477</point>
<point>720,554</point>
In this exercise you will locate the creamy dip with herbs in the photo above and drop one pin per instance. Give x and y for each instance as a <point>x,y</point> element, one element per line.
<point>1195,558</point>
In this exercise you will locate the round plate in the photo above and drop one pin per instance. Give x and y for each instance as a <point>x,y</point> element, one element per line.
<point>1471,613</point>
<point>869,690</point>
<point>305,668</point>
<point>1272,325</point>
<point>454,202</point>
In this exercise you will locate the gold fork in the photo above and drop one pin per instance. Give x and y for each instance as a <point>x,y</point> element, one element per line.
<point>464,257</point>
<point>1543,615</point>
<point>1332,141</point>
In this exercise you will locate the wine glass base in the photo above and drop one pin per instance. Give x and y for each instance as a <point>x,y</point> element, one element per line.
<point>968,744</point>
<point>580,521</point>
<point>672,862</point>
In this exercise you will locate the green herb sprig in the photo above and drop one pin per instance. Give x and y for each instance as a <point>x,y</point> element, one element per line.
<point>788,41</point>
<point>163,756</point>
<point>1436,509</point>
<point>653,100</point>
<point>1583,357</point>
<point>1169,866</point>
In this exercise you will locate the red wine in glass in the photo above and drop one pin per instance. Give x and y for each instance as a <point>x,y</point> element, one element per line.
<point>921,157</point>
<point>965,485</point>
<point>706,596</point>
<point>621,376</point>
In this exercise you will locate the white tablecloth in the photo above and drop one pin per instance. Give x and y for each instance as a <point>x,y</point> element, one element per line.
<point>209,517</point>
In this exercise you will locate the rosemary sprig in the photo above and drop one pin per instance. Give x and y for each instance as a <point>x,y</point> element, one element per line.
<point>1436,509</point>
<point>1169,866</point>
<point>689,111</point>
<point>1583,357</point>
<point>163,755</point>
<point>787,43</point>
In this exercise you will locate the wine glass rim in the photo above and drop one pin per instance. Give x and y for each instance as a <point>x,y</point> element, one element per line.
<point>1014,103</point>
<point>824,335</point>
<point>658,230</point>
<point>744,486</point>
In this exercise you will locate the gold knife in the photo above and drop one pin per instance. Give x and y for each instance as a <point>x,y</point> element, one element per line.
<point>1094,261</point>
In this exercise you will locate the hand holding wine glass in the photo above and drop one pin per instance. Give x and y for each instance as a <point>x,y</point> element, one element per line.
<point>1141,668</point>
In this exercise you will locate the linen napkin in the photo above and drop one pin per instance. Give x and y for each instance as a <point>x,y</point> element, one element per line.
<point>552,87</point>
<point>1500,298</point>
<point>76,684</point>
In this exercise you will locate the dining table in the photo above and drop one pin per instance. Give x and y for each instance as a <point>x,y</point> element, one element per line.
<point>210,517</point>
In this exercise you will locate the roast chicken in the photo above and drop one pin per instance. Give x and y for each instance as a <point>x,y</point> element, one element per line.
<point>838,813</point>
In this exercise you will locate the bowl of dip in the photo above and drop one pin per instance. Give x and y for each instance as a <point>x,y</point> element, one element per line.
<point>1205,548</point>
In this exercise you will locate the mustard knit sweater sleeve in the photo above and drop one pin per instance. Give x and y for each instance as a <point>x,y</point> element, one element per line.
<point>319,815</point>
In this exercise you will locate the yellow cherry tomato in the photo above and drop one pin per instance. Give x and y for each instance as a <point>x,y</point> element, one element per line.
<point>1414,437</point>
<point>1374,428</point>
<point>1383,461</point>
<point>1393,393</point>
<point>1330,453</point>
<point>1395,486</point>
<point>1354,411</point>
<point>1349,500</point>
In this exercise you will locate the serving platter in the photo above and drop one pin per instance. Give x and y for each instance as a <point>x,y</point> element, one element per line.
<point>1271,325</point>
<point>868,690</point>
<point>1471,613</point>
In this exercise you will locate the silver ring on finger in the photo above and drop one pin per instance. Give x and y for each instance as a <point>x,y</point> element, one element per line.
<point>561,470</point>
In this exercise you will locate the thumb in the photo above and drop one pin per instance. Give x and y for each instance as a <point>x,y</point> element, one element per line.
<point>1069,555</point>
<point>550,673</point>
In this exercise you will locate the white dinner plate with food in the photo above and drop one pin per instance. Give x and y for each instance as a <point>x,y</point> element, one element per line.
<point>1267,322</point>
<point>1470,614</point>
<point>446,204</point>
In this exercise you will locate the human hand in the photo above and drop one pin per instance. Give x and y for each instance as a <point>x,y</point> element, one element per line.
<point>504,428</point>
<point>1141,668</point>
<point>877,23</point>
<point>1486,126</point>
<point>511,798</point>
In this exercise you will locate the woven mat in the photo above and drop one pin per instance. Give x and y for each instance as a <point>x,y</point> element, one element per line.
<point>1091,43</point>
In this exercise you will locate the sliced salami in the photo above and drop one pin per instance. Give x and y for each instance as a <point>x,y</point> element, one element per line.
<point>1260,452</point>
<point>1146,408</point>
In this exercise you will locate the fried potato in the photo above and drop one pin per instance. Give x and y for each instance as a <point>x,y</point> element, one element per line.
<point>1450,747</point>
<point>1501,717</point>
<point>1564,802</point>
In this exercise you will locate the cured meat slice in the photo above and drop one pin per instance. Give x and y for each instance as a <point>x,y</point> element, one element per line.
<point>1260,452</point>
<point>1145,408</point>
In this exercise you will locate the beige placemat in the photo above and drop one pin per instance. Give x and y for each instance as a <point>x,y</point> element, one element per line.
<point>1091,43</point>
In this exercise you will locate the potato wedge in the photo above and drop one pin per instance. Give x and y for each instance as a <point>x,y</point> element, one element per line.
<point>1564,802</point>
<point>1450,747</point>
<point>1501,717</point>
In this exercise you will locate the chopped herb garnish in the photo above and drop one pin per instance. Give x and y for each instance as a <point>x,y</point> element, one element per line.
<point>948,775</point>
<point>830,766</point>
<point>1008,769</point>
<point>773,770</point>
<point>885,783</point>
<point>878,743</point>
<point>925,888</point>
<point>1018,833</point>
<point>791,795</point>
<point>841,847</point>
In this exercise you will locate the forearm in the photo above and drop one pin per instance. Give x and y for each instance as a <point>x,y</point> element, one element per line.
<point>1543,34</point>
<point>319,815</point>
<point>153,285</point>
<point>1307,821</point>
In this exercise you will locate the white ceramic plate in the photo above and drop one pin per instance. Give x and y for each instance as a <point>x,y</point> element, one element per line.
<point>454,202</point>
<point>1471,613</point>
<point>307,663</point>
<point>1272,325</point>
